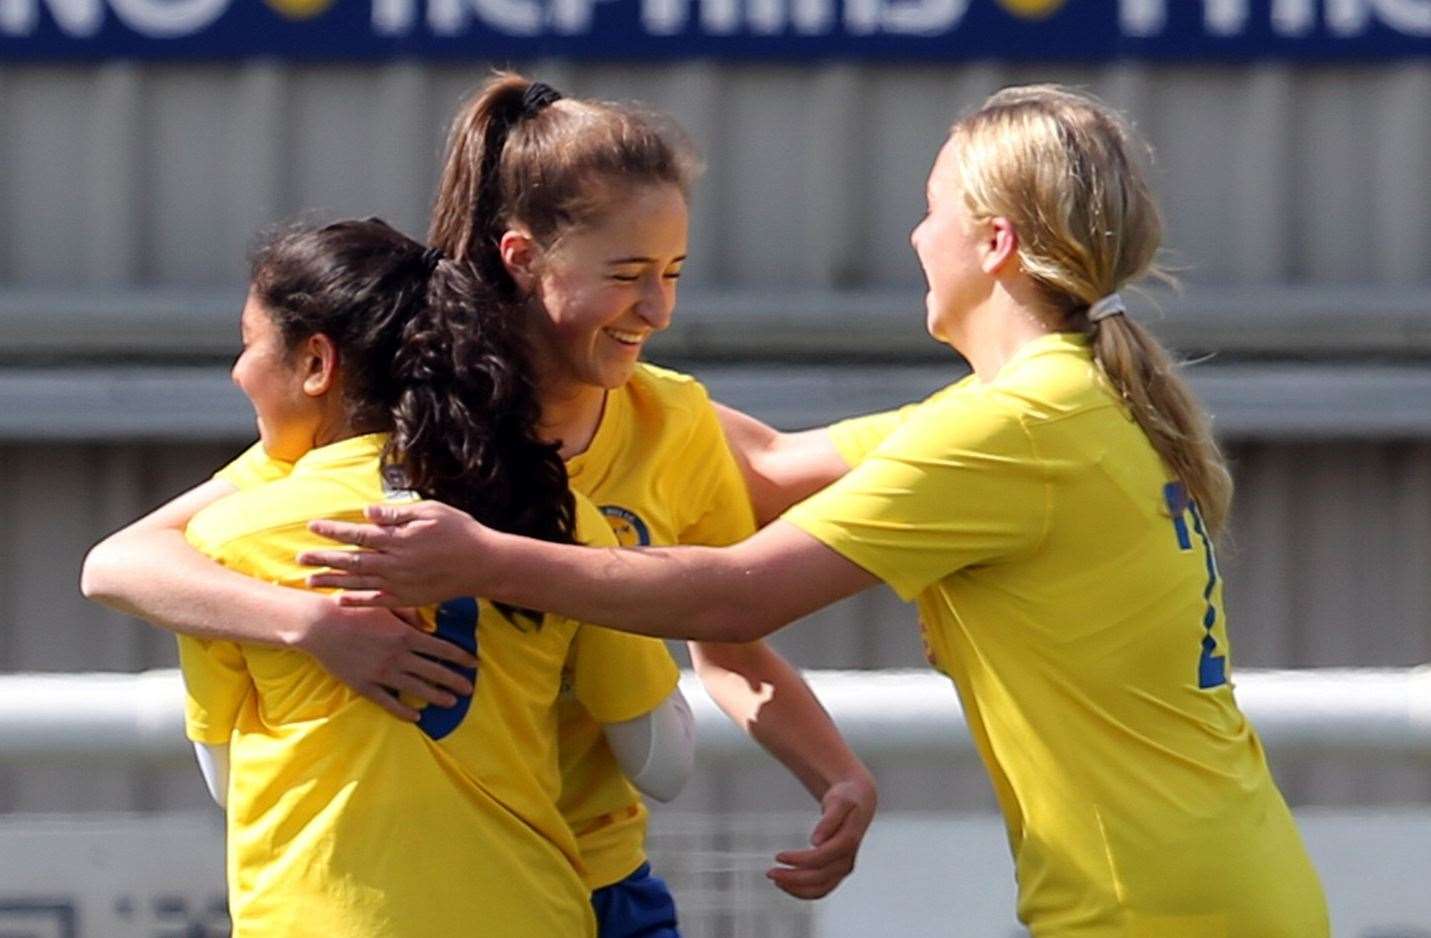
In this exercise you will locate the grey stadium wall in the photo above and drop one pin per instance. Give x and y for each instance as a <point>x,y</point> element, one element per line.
<point>1297,212</point>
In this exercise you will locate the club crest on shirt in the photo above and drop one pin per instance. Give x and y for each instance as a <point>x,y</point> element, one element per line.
<point>628,527</point>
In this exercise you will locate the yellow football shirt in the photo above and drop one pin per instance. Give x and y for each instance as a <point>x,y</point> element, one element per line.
<point>622,676</point>
<point>253,467</point>
<point>1071,592</point>
<point>345,821</point>
<point>857,437</point>
<point>660,470</point>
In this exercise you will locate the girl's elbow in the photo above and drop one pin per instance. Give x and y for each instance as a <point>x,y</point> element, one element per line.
<point>738,625</point>
<point>94,582</point>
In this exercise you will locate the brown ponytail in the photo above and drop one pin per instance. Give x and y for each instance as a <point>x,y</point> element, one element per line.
<point>544,166</point>
<point>1060,164</point>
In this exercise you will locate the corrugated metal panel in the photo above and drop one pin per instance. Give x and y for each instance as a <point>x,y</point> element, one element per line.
<point>1263,401</point>
<point>1269,173</point>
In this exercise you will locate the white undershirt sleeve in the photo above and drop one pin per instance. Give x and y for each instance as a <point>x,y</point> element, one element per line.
<point>657,750</point>
<point>214,764</point>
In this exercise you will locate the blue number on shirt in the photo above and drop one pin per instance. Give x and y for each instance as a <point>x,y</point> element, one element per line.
<point>1211,667</point>
<point>457,623</point>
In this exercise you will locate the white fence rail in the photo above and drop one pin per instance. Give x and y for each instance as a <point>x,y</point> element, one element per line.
<point>886,714</point>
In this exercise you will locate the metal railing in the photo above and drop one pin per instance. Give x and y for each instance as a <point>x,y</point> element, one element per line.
<point>892,715</point>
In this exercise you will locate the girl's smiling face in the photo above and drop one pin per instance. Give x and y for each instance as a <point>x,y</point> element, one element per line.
<point>605,288</point>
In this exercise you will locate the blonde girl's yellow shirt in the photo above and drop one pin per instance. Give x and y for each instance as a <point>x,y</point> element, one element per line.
<point>343,820</point>
<point>660,471</point>
<point>1071,592</point>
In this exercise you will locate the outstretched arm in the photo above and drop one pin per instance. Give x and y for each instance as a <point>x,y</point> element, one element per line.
<point>149,570</point>
<point>428,552</point>
<point>717,595</point>
<point>780,468</point>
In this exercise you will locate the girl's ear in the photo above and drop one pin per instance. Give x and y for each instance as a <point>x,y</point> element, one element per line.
<point>519,252</point>
<point>319,365</point>
<point>1000,244</point>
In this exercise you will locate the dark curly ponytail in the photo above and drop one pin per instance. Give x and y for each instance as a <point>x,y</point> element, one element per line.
<point>429,354</point>
<point>465,420</point>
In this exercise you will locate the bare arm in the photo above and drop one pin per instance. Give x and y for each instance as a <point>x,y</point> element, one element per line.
<point>427,552</point>
<point>717,595</point>
<point>780,469</point>
<point>149,570</point>
<point>764,695</point>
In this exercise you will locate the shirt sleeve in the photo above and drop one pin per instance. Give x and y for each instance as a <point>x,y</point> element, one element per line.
<point>216,683</point>
<point>615,675</point>
<point>958,484</point>
<point>857,437</point>
<point>253,467</point>
<point>716,501</point>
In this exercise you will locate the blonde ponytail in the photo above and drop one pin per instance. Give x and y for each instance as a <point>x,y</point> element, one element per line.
<point>1061,165</point>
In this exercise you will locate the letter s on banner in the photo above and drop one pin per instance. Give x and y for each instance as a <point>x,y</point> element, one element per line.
<point>166,19</point>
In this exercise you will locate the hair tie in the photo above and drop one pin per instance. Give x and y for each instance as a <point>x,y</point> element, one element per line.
<point>1110,305</point>
<point>538,97</point>
<point>430,259</point>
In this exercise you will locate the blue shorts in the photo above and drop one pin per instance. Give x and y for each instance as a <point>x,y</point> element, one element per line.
<point>639,906</point>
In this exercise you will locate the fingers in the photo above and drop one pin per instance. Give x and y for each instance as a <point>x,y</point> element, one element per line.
<point>439,677</point>
<point>406,683</point>
<point>375,599</point>
<point>805,884</point>
<point>388,702</point>
<point>442,650</point>
<point>348,561</point>
<point>389,515</point>
<point>347,581</point>
<point>828,852</point>
<point>370,536</point>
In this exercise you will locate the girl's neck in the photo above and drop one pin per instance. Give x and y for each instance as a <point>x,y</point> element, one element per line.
<point>994,333</point>
<point>335,423</point>
<point>571,412</point>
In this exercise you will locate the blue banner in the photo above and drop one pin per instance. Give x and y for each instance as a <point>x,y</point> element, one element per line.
<point>793,30</point>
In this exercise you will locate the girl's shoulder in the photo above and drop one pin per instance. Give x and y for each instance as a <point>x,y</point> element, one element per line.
<point>665,388</point>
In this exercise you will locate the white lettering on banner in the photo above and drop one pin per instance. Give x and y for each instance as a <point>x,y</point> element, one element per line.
<point>1408,16</point>
<point>663,17</point>
<point>165,19</point>
<point>78,18</point>
<point>393,17</point>
<point>514,17</point>
<point>1225,17</point>
<point>1142,17</point>
<point>573,17</point>
<point>720,17</point>
<point>1294,17</point>
<point>1353,17</point>
<point>904,17</point>
<point>724,17</point>
<point>766,17</point>
<point>813,17</point>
